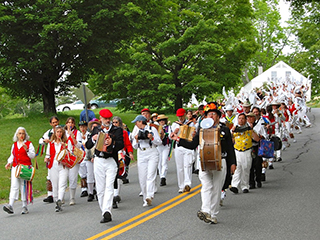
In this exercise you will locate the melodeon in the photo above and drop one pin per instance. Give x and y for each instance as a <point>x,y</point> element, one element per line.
<point>210,149</point>
<point>185,132</point>
<point>158,127</point>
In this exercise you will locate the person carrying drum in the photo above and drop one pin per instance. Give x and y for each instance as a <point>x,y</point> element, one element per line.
<point>212,180</point>
<point>54,121</point>
<point>22,151</point>
<point>58,172</point>
<point>105,160</point>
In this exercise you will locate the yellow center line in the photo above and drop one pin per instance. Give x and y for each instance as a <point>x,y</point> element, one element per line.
<point>151,216</point>
<point>141,215</point>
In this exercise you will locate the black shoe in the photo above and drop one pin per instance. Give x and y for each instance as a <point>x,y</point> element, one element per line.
<point>114,205</point>
<point>271,167</point>
<point>84,194</point>
<point>117,198</point>
<point>90,197</point>
<point>259,185</point>
<point>252,187</point>
<point>279,159</point>
<point>234,190</point>
<point>263,177</point>
<point>48,199</point>
<point>163,182</point>
<point>245,191</point>
<point>125,181</point>
<point>58,206</point>
<point>106,217</point>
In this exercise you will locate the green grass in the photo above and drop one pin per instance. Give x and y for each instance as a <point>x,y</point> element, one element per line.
<point>36,125</point>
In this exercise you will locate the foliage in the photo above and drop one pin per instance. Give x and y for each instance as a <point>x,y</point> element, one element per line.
<point>48,46</point>
<point>307,25</point>
<point>270,36</point>
<point>183,48</point>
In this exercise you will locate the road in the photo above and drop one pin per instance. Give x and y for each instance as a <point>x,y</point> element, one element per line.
<point>286,207</point>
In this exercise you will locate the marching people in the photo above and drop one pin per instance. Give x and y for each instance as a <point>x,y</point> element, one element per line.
<point>125,155</point>
<point>54,121</point>
<point>256,167</point>
<point>164,148</point>
<point>22,151</point>
<point>105,160</point>
<point>74,137</point>
<point>145,141</point>
<point>183,156</point>
<point>58,171</point>
<point>83,127</point>
<point>212,180</point>
<point>243,135</point>
<point>89,159</point>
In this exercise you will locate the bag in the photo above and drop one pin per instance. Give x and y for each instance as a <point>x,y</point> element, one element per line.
<point>266,149</point>
<point>277,142</point>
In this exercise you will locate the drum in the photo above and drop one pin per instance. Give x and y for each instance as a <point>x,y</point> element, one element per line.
<point>66,158</point>
<point>25,172</point>
<point>210,149</point>
<point>185,132</point>
<point>79,153</point>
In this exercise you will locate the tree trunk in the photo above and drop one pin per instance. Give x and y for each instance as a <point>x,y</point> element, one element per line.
<point>48,97</point>
<point>178,100</point>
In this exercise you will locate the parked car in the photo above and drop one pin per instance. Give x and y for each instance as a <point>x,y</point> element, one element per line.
<point>79,105</point>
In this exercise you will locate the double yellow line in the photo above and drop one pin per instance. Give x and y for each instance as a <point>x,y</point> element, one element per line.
<point>157,210</point>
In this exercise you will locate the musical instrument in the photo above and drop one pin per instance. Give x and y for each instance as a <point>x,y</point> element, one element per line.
<point>101,142</point>
<point>25,172</point>
<point>185,132</point>
<point>66,158</point>
<point>158,127</point>
<point>210,149</point>
<point>79,153</point>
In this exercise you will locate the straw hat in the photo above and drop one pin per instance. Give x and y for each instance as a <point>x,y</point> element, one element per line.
<point>161,117</point>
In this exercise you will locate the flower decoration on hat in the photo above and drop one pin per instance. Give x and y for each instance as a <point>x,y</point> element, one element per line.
<point>212,106</point>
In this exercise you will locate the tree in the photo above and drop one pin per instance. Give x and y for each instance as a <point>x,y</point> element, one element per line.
<point>306,15</point>
<point>48,46</point>
<point>270,36</point>
<point>184,47</point>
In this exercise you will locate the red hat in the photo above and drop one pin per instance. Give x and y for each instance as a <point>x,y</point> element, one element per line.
<point>145,110</point>
<point>180,112</point>
<point>105,113</point>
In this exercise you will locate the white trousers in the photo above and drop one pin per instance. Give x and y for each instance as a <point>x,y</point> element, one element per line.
<point>83,169</point>
<point>59,180</point>
<point>184,160</point>
<point>73,176</point>
<point>16,184</point>
<point>163,160</point>
<point>105,172</point>
<point>241,175</point>
<point>147,170</point>
<point>212,182</point>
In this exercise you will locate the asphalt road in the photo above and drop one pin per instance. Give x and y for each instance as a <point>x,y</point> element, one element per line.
<point>286,207</point>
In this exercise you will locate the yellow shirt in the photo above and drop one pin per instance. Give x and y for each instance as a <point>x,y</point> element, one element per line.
<point>243,140</point>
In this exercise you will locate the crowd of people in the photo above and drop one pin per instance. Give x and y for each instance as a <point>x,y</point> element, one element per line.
<point>100,151</point>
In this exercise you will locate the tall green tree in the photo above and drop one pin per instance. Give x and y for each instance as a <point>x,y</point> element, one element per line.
<point>269,34</point>
<point>48,46</point>
<point>306,15</point>
<point>184,47</point>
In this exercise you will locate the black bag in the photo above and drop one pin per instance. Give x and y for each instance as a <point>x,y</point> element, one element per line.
<point>277,142</point>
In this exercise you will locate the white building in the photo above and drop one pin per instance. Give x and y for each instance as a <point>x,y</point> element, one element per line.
<point>279,73</point>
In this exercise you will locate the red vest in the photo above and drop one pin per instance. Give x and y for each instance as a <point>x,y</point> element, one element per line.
<point>52,154</point>
<point>20,156</point>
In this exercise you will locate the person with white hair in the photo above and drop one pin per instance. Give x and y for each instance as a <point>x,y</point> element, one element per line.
<point>22,151</point>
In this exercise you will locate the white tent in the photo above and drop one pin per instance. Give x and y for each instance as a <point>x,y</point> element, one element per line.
<point>280,72</point>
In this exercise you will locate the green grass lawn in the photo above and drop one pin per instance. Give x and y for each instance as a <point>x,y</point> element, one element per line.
<point>36,126</point>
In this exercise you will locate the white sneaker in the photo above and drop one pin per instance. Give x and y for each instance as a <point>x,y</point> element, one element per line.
<point>24,210</point>
<point>72,202</point>
<point>140,194</point>
<point>294,140</point>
